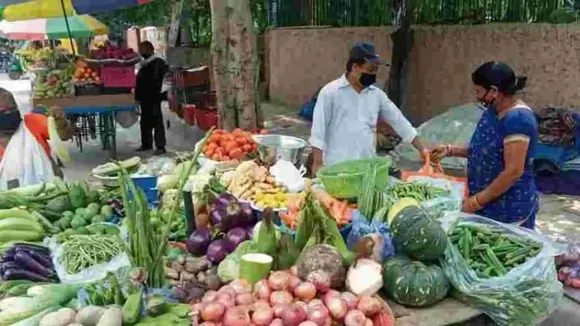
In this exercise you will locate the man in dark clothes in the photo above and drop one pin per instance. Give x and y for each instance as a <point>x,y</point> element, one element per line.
<point>148,94</point>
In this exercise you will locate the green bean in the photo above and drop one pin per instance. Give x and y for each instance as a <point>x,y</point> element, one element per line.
<point>82,251</point>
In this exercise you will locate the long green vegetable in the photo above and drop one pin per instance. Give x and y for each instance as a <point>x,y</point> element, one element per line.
<point>420,191</point>
<point>84,251</point>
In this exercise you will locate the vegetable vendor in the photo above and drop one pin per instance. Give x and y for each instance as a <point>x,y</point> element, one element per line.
<point>347,110</point>
<point>499,155</point>
<point>37,126</point>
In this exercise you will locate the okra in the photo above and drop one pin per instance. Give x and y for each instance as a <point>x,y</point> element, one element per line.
<point>482,246</point>
<point>517,253</point>
<point>487,271</point>
<point>495,262</point>
<point>515,259</point>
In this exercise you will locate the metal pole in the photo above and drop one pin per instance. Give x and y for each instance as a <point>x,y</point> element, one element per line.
<point>70,39</point>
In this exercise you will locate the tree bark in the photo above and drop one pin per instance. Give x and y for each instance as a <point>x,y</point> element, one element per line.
<point>235,64</point>
<point>402,38</point>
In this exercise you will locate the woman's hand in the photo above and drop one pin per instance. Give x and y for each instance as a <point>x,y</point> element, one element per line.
<point>467,207</point>
<point>440,152</point>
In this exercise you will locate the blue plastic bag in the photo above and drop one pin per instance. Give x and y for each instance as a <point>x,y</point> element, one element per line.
<point>362,227</point>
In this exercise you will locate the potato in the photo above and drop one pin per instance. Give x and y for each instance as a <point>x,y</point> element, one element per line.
<point>112,317</point>
<point>89,315</point>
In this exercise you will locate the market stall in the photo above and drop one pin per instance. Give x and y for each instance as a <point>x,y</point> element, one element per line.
<point>233,234</point>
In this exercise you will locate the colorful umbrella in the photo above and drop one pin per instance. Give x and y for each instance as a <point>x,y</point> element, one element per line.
<point>16,10</point>
<point>53,28</point>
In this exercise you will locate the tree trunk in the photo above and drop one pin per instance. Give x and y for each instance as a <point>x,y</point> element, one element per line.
<point>235,64</point>
<point>402,38</point>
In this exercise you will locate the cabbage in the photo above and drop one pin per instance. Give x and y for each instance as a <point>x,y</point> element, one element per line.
<point>166,182</point>
<point>58,147</point>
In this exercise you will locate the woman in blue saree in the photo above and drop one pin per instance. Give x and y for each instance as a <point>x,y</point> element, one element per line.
<point>499,155</point>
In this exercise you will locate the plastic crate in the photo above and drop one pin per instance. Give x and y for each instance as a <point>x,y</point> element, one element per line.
<point>194,77</point>
<point>87,90</point>
<point>149,186</point>
<point>118,77</point>
<point>206,118</point>
<point>189,114</point>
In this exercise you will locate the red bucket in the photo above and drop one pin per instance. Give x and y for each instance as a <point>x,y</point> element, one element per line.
<point>189,114</point>
<point>118,77</point>
<point>206,119</point>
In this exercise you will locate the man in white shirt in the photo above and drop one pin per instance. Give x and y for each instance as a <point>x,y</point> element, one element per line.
<point>347,111</point>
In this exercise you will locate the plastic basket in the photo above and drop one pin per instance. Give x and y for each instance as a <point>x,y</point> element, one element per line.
<point>189,114</point>
<point>149,186</point>
<point>118,77</point>
<point>343,180</point>
<point>206,119</point>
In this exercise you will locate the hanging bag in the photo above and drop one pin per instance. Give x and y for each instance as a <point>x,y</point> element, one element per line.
<point>437,177</point>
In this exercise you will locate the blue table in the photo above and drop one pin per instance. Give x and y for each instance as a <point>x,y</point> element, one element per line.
<point>93,115</point>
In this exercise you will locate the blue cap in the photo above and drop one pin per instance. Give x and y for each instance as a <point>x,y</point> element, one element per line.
<point>366,51</point>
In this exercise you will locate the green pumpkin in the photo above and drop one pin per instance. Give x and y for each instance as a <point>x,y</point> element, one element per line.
<point>418,235</point>
<point>413,283</point>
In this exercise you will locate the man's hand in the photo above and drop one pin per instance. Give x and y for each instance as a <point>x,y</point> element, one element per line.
<point>316,161</point>
<point>440,152</point>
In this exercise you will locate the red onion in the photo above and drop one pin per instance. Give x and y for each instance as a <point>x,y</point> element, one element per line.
<point>261,303</point>
<point>305,291</point>
<point>263,316</point>
<point>302,305</point>
<point>262,290</point>
<point>294,270</point>
<point>293,315</point>
<point>369,322</point>
<point>236,316</point>
<point>294,282</point>
<point>318,315</point>
<point>337,308</point>
<point>331,294</point>
<point>244,299</point>
<point>350,299</point>
<point>241,286</point>
<point>355,318</point>
<point>213,311</point>
<point>277,322</point>
<point>279,281</point>
<point>279,309</point>
<point>320,279</point>
<point>207,323</point>
<point>308,323</point>
<point>315,304</point>
<point>209,296</point>
<point>280,297</point>
<point>369,306</point>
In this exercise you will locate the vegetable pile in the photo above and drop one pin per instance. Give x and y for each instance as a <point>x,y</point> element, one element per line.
<point>225,146</point>
<point>83,251</point>
<point>490,252</point>
<point>18,224</point>
<point>191,276</point>
<point>284,299</point>
<point>27,262</point>
<point>568,266</point>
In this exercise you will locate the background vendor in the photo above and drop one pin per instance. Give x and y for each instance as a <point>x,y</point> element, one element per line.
<point>347,111</point>
<point>499,155</point>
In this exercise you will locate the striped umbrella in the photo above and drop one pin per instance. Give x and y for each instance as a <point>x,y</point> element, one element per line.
<point>16,10</point>
<point>53,28</point>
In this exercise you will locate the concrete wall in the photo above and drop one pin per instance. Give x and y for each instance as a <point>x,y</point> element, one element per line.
<point>300,60</point>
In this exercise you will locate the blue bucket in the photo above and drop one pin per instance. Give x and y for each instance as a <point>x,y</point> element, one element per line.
<point>149,186</point>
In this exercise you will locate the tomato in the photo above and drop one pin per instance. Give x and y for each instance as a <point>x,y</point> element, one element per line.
<point>247,148</point>
<point>228,137</point>
<point>237,132</point>
<point>216,138</point>
<point>216,157</point>
<point>237,154</point>
<point>212,146</point>
<point>229,146</point>
<point>254,148</point>
<point>241,140</point>
<point>225,158</point>
<point>219,151</point>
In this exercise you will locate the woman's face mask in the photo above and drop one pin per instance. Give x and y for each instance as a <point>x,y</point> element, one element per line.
<point>486,96</point>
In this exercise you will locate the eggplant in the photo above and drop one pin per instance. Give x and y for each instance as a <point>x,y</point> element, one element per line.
<point>234,237</point>
<point>40,257</point>
<point>23,274</point>
<point>198,242</point>
<point>248,215</point>
<point>217,251</point>
<point>34,247</point>
<point>8,256</point>
<point>10,265</point>
<point>33,265</point>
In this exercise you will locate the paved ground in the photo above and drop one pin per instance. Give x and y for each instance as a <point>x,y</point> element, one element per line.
<point>554,219</point>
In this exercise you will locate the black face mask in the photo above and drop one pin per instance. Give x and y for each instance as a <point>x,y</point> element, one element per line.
<point>484,102</point>
<point>367,79</point>
<point>146,55</point>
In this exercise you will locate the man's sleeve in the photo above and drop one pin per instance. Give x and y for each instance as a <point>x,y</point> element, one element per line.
<point>389,112</point>
<point>320,121</point>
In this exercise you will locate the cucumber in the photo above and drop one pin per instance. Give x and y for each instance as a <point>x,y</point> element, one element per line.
<point>112,169</point>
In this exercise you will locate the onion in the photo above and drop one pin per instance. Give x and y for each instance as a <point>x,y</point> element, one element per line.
<point>293,315</point>
<point>226,299</point>
<point>318,315</point>
<point>244,299</point>
<point>236,316</point>
<point>213,311</point>
<point>277,322</point>
<point>294,270</point>
<point>369,322</point>
<point>320,279</point>
<point>209,296</point>
<point>332,294</point>
<point>279,281</point>
<point>207,323</point>
<point>260,303</point>
<point>228,290</point>
<point>315,304</point>
<point>305,291</point>
<point>302,305</point>
<point>369,306</point>
<point>262,290</point>
<point>279,309</point>
<point>337,308</point>
<point>280,297</point>
<point>355,318</point>
<point>241,286</point>
<point>263,316</point>
<point>308,323</point>
<point>294,282</point>
<point>350,299</point>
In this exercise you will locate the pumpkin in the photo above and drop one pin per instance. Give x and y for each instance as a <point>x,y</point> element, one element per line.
<point>418,235</point>
<point>414,283</point>
<point>399,205</point>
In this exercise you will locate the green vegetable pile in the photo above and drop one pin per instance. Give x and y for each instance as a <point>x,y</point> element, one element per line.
<point>83,216</point>
<point>490,252</point>
<point>420,191</point>
<point>174,221</point>
<point>97,228</point>
<point>84,251</point>
<point>105,292</point>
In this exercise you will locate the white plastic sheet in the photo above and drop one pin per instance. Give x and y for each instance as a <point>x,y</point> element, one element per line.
<point>25,160</point>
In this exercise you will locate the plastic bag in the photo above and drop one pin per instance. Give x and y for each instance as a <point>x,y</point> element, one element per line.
<point>127,118</point>
<point>157,166</point>
<point>437,177</point>
<point>25,160</point>
<point>362,227</point>
<point>439,205</point>
<point>526,295</point>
